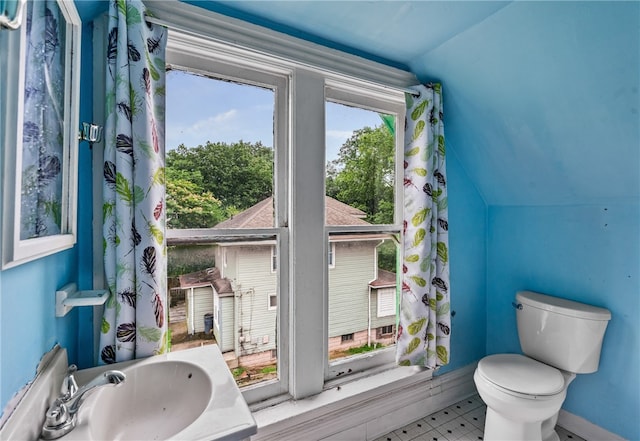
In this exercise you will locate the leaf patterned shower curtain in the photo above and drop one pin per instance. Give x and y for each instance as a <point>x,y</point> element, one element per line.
<point>43,130</point>
<point>425,320</point>
<point>134,323</point>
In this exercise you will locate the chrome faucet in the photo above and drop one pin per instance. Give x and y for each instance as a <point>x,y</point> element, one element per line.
<point>61,418</point>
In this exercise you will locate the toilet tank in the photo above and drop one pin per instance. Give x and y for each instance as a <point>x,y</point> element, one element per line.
<point>561,333</point>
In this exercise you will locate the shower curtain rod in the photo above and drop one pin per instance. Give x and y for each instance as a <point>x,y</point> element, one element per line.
<point>169,25</point>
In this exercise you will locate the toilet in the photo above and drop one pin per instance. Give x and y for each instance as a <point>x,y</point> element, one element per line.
<point>524,393</point>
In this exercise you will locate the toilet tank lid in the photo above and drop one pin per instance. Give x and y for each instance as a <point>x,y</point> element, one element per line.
<point>563,306</point>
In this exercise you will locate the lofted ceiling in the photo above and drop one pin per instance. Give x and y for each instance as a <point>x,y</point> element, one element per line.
<point>541,98</point>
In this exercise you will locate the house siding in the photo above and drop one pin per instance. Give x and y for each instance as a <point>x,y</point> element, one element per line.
<point>227,258</point>
<point>201,303</point>
<point>256,324</point>
<point>349,287</point>
<point>227,325</point>
<point>253,329</point>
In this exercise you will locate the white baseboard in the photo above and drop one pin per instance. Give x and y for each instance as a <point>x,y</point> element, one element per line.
<point>584,428</point>
<point>367,410</point>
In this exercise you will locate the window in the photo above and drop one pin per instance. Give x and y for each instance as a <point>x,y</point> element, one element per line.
<point>386,302</point>
<point>361,223</point>
<point>226,145</point>
<point>385,331</point>
<point>295,255</point>
<point>274,259</point>
<point>273,301</point>
<point>344,338</point>
<point>332,255</point>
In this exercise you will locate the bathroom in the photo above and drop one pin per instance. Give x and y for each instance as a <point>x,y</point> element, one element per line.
<point>542,127</point>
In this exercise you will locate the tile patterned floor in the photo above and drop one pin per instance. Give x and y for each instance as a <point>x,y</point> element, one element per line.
<point>463,421</point>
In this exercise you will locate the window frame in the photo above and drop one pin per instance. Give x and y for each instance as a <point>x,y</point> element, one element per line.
<point>16,250</point>
<point>391,103</point>
<point>190,54</point>
<point>309,69</point>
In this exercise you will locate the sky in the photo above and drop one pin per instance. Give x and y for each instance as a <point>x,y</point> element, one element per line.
<point>200,109</point>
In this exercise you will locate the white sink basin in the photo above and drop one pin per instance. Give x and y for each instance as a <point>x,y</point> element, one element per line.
<point>181,395</point>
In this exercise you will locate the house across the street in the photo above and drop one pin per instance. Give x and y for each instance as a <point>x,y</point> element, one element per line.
<point>238,296</point>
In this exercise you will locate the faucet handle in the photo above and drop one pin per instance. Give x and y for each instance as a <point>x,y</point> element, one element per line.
<point>56,415</point>
<point>69,384</point>
<point>58,421</point>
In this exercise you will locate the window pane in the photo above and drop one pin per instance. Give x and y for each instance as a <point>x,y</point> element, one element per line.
<point>219,174</point>
<point>224,294</point>
<point>219,150</point>
<point>360,186</point>
<point>362,294</point>
<point>360,165</point>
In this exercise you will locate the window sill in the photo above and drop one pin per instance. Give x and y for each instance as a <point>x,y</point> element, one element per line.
<point>368,407</point>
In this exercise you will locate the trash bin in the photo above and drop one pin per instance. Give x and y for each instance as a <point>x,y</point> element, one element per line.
<point>208,323</point>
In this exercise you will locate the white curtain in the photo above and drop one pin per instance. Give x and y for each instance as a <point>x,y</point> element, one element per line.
<point>134,323</point>
<point>425,320</point>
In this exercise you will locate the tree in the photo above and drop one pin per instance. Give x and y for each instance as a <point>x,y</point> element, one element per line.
<point>363,174</point>
<point>238,175</point>
<point>188,206</point>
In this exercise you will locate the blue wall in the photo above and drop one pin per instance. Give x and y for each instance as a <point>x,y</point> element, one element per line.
<point>587,253</point>
<point>468,265</point>
<point>28,326</point>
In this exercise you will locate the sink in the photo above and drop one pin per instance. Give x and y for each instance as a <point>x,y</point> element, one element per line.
<point>188,394</point>
<point>156,401</point>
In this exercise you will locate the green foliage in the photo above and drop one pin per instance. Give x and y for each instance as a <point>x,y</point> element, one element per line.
<point>185,259</point>
<point>188,205</point>
<point>363,175</point>
<point>387,255</point>
<point>269,369</point>
<point>238,175</point>
<point>365,348</point>
<point>238,371</point>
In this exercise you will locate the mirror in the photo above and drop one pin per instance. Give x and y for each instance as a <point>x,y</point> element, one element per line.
<point>39,91</point>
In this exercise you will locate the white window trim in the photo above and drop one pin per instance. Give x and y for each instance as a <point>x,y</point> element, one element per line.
<point>270,45</point>
<point>16,251</point>
<point>315,73</point>
<point>380,311</point>
<point>190,54</point>
<point>372,99</point>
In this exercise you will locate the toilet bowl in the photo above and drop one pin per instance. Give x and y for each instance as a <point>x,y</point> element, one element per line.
<point>521,394</point>
<point>524,393</point>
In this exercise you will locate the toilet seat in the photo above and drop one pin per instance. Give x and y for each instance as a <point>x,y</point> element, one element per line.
<point>521,376</point>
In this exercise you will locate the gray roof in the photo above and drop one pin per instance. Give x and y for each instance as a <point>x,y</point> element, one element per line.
<point>209,276</point>
<point>386,279</point>
<point>261,215</point>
